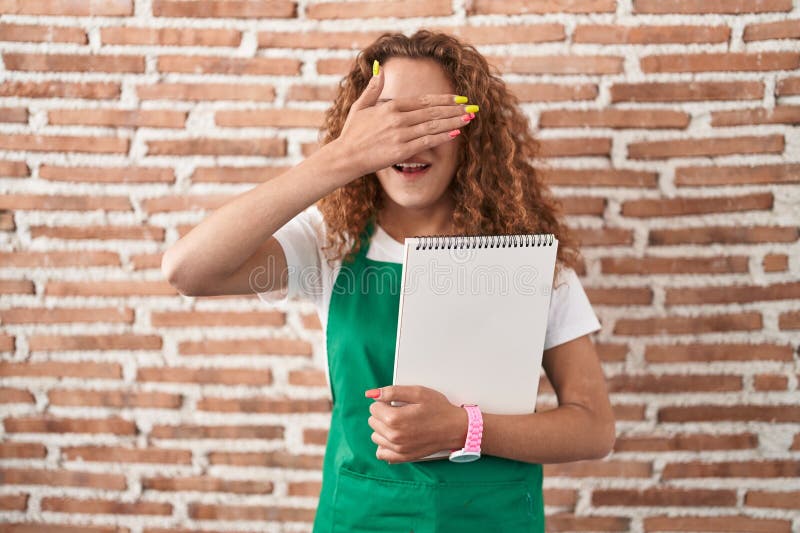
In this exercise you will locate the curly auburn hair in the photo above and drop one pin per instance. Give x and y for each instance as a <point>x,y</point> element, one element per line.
<point>495,187</point>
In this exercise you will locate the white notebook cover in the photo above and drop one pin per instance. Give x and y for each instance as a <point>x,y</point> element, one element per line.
<point>472,319</point>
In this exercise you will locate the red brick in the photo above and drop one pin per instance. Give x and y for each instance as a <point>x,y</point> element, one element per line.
<point>521,7</point>
<point>686,91</point>
<point>122,35</point>
<point>73,8</point>
<point>601,469</point>
<point>666,207</point>
<point>643,34</point>
<point>311,93</point>
<point>775,263</point>
<point>62,369</point>
<point>782,29</point>
<point>184,202</point>
<point>676,325</point>
<point>73,62</point>
<point>207,91</point>
<point>674,265</point>
<point>225,8</point>
<point>11,395</point>
<point>664,497</point>
<point>732,175</point>
<point>552,92</point>
<point>688,7</point>
<point>707,147</point>
<point>226,511</point>
<point>770,382</point>
<point>57,259</point>
<point>14,169</point>
<point>109,288</point>
<point>13,286</point>
<point>62,478</point>
<point>741,117</point>
<point>124,454</point>
<point>572,523</point>
<point>673,383</point>
<point>13,502</point>
<point>272,118</point>
<point>364,10</point>
<point>583,205</point>
<point>142,232</point>
<point>277,66</point>
<point>121,118</point>
<point>270,459</point>
<point>7,221</point>
<point>680,353</point>
<point>721,524</point>
<point>724,234</point>
<point>263,146</point>
<point>620,296</point>
<point>727,61</point>
<point>216,318</point>
<point>557,64</point>
<point>776,500</point>
<point>114,398</point>
<point>122,341</point>
<point>307,378</point>
<point>605,236</point>
<point>731,413</point>
<point>257,346</point>
<point>42,34</point>
<point>42,527</point>
<point>599,177</point>
<point>732,294</point>
<point>789,320</point>
<point>732,469</point>
<point>215,375</point>
<point>52,424</point>
<point>221,174</point>
<point>567,147</point>
<point>506,33</point>
<point>263,405</point>
<point>207,484</point>
<point>17,115</point>
<point>98,506</point>
<point>614,118</point>
<point>126,174</point>
<point>65,143</point>
<point>187,431</point>
<point>787,86</point>
<point>315,40</point>
<point>60,89</point>
<point>685,442</point>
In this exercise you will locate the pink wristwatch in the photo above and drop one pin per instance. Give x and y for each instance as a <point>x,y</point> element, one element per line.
<point>472,447</point>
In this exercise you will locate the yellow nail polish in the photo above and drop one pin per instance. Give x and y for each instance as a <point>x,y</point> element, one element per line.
<point>471,109</point>
<point>376,68</point>
<point>461,99</point>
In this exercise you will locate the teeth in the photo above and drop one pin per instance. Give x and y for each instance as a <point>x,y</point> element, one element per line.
<point>411,165</point>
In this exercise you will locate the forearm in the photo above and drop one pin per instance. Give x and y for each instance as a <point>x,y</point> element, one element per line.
<point>567,433</point>
<point>225,239</point>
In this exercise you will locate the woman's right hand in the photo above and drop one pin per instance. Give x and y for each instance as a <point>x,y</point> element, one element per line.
<point>378,136</point>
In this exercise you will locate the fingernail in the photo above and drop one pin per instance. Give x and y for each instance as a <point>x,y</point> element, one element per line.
<point>454,133</point>
<point>376,68</point>
<point>472,115</point>
<point>461,99</point>
<point>373,393</point>
<point>471,109</point>
<point>467,117</point>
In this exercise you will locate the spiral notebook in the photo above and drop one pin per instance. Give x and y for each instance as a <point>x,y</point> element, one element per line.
<point>472,319</point>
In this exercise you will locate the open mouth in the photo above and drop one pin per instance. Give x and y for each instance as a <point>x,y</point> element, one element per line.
<point>411,170</point>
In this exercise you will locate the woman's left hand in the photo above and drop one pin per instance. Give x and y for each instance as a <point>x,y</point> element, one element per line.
<point>428,423</point>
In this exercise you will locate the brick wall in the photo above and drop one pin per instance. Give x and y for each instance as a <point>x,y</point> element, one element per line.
<point>670,127</point>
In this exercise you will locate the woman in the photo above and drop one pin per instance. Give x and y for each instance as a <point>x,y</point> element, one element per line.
<point>403,155</point>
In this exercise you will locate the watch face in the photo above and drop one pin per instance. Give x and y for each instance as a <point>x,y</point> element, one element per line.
<point>462,456</point>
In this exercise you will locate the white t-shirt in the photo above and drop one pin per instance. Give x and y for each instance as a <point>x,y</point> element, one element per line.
<point>311,276</point>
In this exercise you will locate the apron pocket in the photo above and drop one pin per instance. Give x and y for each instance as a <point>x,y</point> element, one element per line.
<point>366,504</point>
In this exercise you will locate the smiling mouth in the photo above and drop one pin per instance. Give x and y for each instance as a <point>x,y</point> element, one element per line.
<point>410,171</point>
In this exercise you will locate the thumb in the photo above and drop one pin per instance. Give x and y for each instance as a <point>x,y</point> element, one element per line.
<point>370,95</point>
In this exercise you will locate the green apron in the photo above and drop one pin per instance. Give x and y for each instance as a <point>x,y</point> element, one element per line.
<point>361,493</point>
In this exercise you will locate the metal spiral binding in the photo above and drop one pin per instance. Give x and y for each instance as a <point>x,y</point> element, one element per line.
<point>459,242</point>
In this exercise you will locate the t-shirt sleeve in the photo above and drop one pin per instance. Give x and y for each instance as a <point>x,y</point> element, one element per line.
<point>300,239</point>
<point>571,314</point>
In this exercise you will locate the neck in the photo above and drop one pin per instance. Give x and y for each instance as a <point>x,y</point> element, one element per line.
<point>401,222</point>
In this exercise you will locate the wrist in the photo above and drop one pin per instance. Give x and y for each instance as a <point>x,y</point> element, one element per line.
<point>340,163</point>
<point>459,434</point>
